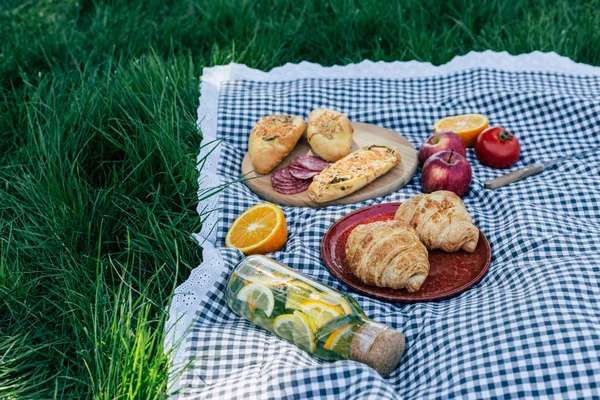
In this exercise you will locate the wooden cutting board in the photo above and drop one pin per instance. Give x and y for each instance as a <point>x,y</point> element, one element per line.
<point>364,135</point>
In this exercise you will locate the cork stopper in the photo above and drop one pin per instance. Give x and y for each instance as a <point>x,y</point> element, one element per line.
<point>378,346</point>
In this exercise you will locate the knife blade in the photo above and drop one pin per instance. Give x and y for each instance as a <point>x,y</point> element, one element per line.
<point>531,170</point>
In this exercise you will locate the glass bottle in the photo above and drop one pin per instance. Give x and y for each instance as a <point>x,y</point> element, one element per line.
<point>317,318</point>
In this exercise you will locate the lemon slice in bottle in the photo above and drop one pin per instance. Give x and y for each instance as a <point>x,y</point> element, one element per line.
<point>284,326</point>
<point>336,300</point>
<point>298,293</point>
<point>320,312</point>
<point>258,296</point>
<point>303,335</point>
<point>296,328</point>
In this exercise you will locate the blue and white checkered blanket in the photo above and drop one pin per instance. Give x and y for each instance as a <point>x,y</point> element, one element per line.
<point>530,328</point>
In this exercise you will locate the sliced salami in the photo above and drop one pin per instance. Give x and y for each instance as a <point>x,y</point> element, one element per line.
<point>283,176</point>
<point>282,173</point>
<point>283,181</point>
<point>287,185</point>
<point>302,173</point>
<point>310,162</point>
<point>296,177</point>
<point>277,179</point>
<point>292,189</point>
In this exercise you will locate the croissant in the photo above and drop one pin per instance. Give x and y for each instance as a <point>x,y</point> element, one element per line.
<point>441,220</point>
<point>387,254</point>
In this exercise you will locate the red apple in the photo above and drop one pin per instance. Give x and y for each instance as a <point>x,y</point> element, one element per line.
<point>446,170</point>
<point>441,142</point>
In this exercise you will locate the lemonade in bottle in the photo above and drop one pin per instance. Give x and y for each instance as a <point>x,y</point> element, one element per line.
<point>317,318</point>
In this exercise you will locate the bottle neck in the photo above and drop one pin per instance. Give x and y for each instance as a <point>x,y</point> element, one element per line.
<point>378,346</point>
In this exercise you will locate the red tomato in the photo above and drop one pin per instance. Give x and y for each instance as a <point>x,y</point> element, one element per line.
<point>496,147</point>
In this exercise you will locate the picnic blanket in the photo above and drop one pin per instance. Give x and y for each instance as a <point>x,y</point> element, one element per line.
<point>530,328</point>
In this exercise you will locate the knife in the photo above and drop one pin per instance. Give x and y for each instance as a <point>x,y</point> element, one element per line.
<point>530,170</point>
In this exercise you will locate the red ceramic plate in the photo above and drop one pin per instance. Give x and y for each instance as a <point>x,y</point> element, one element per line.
<point>449,273</point>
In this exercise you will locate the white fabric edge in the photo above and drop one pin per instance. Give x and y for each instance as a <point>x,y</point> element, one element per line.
<point>535,62</point>
<point>190,294</point>
<point>183,307</point>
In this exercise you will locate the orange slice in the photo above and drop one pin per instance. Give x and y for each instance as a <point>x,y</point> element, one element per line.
<point>339,339</point>
<point>260,229</point>
<point>467,126</point>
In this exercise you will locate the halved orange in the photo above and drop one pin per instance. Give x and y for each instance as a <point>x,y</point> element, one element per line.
<point>467,126</point>
<point>260,229</point>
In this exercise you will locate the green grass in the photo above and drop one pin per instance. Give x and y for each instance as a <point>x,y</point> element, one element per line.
<point>98,145</point>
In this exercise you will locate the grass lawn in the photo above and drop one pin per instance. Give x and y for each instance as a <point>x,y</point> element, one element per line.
<point>98,145</point>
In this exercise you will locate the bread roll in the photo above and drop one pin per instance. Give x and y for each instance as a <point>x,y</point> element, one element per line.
<point>329,134</point>
<point>353,172</point>
<point>272,139</point>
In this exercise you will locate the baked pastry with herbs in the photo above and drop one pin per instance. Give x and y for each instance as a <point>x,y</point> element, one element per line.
<point>272,139</point>
<point>441,221</point>
<point>353,172</point>
<point>329,134</point>
<point>387,254</point>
